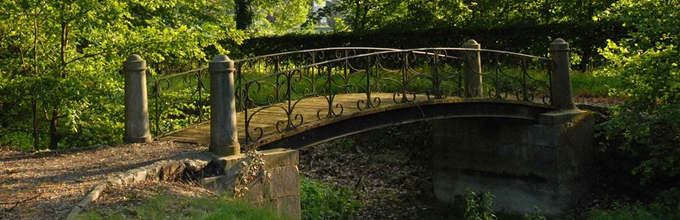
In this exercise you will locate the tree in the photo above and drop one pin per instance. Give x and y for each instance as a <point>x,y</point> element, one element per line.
<point>61,61</point>
<point>364,15</point>
<point>266,17</point>
<point>649,119</point>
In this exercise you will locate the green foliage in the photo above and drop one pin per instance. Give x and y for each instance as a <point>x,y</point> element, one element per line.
<point>536,215</point>
<point>649,120</point>
<point>422,15</point>
<point>320,201</point>
<point>666,206</point>
<point>622,212</point>
<point>478,206</point>
<point>524,38</point>
<point>174,207</point>
<point>268,17</point>
<point>60,62</point>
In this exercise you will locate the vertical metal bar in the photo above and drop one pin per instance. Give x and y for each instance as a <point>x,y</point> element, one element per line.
<point>525,73</point>
<point>404,69</point>
<point>200,95</point>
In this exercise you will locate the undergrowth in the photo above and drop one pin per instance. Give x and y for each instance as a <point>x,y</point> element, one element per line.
<point>320,201</point>
<point>175,207</point>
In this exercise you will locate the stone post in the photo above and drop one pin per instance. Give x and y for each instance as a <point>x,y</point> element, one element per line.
<point>473,73</point>
<point>223,134</point>
<point>560,83</point>
<point>136,111</point>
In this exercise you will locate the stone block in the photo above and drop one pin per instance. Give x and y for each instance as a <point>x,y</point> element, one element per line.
<point>228,162</point>
<point>258,192</point>
<point>219,183</point>
<point>139,175</point>
<point>289,206</point>
<point>285,181</point>
<point>280,158</point>
<point>116,180</point>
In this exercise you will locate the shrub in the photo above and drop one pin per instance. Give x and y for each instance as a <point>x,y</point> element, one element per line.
<point>320,201</point>
<point>478,206</point>
<point>649,120</point>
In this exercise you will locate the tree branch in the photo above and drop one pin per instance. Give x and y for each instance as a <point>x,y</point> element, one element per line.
<point>16,203</point>
<point>86,56</point>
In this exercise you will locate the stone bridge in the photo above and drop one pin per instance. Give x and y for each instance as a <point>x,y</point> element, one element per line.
<point>502,122</point>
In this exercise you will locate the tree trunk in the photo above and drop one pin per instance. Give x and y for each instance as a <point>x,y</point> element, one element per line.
<point>55,136</point>
<point>244,15</point>
<point>36,134</point>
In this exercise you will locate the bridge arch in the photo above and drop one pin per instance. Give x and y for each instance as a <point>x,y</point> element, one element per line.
<point>376,118</point>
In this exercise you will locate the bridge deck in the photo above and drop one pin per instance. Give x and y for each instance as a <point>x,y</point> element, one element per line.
<point>267,117</point>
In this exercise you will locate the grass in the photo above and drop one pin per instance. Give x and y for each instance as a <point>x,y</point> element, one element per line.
<point>176,207</point>
<point>591,85</point>
<point>319,201</point>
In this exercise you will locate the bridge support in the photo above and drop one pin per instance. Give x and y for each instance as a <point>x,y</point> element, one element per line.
<point>223,134</point>
<point>136,110</point>
<point>280,190</point>
<point>473,72</point>
<point>522,163</point>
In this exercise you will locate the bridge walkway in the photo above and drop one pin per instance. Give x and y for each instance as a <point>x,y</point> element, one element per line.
<point>267,118</point>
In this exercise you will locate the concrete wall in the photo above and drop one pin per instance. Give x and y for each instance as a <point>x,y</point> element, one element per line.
<point>522,163</point>
<point>281,191</point>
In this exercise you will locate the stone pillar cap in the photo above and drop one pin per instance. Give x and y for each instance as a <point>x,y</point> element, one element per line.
<point>220,63</point>
<point>559,45</point>
<point>134,62</point>
<point>221,58</point>
<point>134,58</point>
<point>471,42</point>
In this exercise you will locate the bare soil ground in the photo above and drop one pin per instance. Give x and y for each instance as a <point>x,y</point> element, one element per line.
<point>47,185</point>
<point>388,171</point>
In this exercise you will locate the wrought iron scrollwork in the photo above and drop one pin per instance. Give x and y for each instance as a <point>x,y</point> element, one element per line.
<point>178,100</point>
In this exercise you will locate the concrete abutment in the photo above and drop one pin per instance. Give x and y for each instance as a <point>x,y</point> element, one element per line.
<point>522,163</point>
<point>279,191</point>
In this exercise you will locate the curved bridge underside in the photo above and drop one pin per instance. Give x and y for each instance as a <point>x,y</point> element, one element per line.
<point>326,130</point>
<point>355,120</point>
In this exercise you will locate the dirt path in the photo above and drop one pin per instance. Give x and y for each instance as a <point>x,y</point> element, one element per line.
<point>48,185</point>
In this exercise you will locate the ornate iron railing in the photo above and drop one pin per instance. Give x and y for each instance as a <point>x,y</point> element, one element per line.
<point>432,73</point>
<point>182,99</point>
<point>179,100</point>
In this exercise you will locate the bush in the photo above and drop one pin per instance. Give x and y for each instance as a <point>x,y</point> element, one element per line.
<point>649,120</point>
<point>530,39</point>
<point>666,206</point>
<point>478,206</point>
<point>320,201</point>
